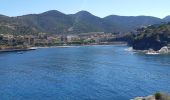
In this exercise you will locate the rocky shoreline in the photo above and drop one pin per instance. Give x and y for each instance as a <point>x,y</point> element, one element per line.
<point>163,50</point>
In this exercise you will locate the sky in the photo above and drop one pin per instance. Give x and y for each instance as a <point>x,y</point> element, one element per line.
<point>101,8</point>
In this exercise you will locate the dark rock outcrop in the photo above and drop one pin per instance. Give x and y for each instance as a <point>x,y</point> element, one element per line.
<point>152,37</point>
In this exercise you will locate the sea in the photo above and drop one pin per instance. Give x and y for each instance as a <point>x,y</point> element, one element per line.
<point>98,72</point>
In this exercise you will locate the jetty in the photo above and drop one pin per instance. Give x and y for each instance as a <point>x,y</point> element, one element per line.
<point>17,49</point>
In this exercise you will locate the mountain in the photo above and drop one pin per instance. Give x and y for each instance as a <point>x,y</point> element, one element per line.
<point>49,22</point>
<point>129,23</point>
<point>56,22</point>
<point>86,22</point>
<point>167,18</point>
<point>11,25</point>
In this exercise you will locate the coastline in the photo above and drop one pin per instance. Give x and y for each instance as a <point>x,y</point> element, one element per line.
<point>14,49</point>
<point>77,45</point>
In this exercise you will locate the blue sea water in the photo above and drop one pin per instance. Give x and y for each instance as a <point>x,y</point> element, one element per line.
<point>82,73</point>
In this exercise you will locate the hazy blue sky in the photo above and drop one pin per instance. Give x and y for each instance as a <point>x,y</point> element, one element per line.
<point>101,8</point>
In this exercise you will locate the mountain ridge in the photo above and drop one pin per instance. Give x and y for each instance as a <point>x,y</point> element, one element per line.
<point>56,22</point>
<point>167,18</point>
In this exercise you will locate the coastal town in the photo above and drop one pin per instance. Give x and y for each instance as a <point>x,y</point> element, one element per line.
<point>8,41</point>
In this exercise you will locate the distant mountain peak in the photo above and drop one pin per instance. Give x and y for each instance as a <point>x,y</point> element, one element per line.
<point>83,12</point>
<point>52,12</point>
<point>3,15</point>
<point>167,18</point>
<point>140,16</point>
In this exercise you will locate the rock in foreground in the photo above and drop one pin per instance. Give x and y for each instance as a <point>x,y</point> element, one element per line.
<point>151,97</point>
<point>156,96</point>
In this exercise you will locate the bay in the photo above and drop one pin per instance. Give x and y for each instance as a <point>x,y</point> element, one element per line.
<point>82,73</point>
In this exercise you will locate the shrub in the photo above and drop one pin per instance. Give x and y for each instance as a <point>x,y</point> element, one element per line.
<point>158,96</point>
